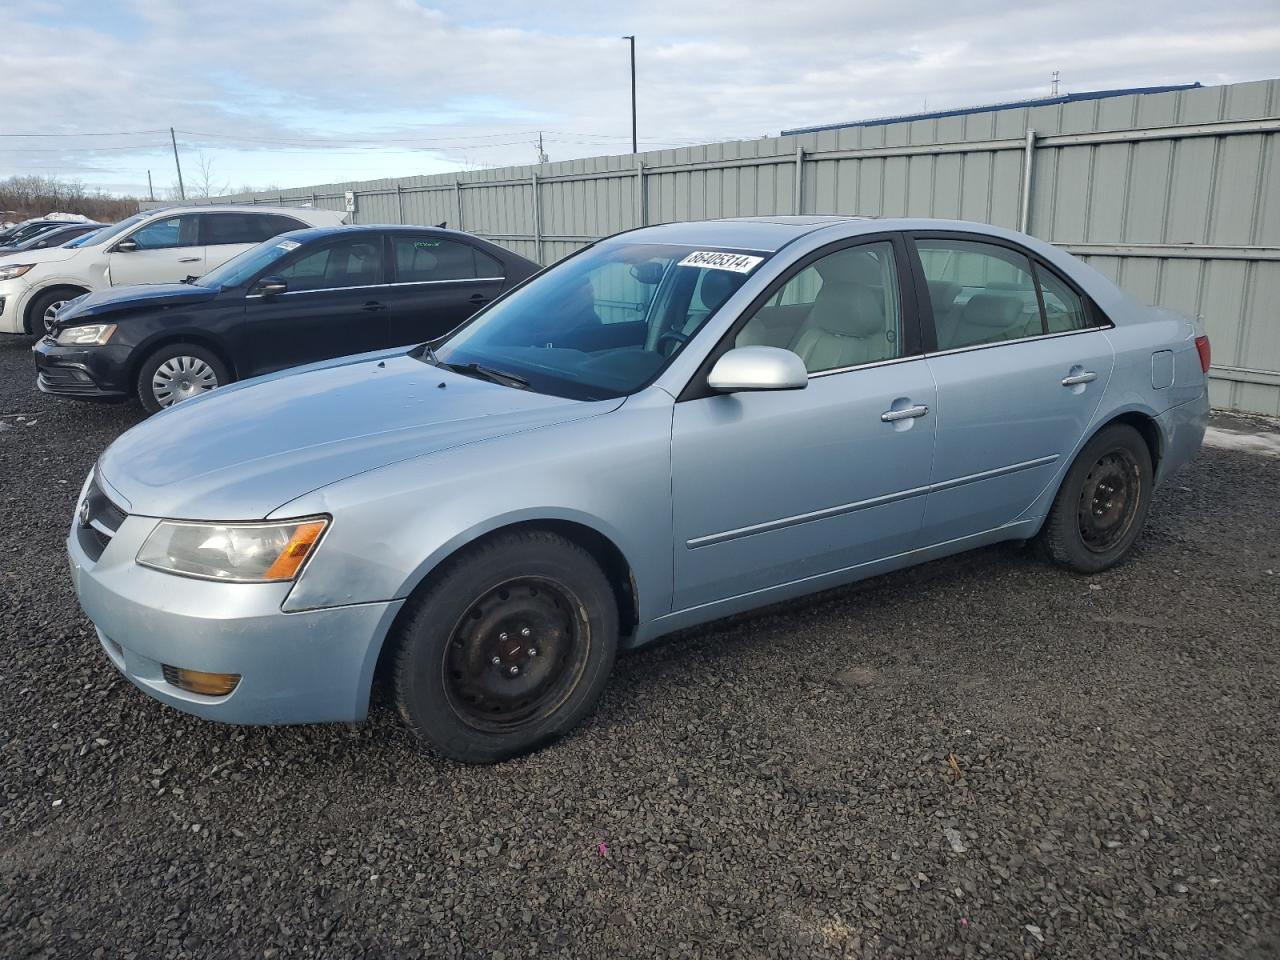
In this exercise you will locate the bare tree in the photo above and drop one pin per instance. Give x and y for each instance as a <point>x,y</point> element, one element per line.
<point>23,197</point>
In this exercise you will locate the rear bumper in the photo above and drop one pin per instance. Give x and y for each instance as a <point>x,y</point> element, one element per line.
<point>88,373</point>
<point>1182,432</point>
<point>307,667</point>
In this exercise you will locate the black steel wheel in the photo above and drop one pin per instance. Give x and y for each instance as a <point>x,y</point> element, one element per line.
<point>506,647</point>
<point>1109,500</point>
<point>516,654</point>
<point>1102,504</point>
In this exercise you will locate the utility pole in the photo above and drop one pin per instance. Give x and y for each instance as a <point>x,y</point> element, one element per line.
<point>542,154</point>
<point>151,191</point>
<point>632,39</point>
<point>182,191</point>
<point>1054,88</point>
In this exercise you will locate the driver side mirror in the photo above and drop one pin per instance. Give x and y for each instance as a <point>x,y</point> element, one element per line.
<point>125,246</point>
<point>269,287</point>
<point>758,368</point>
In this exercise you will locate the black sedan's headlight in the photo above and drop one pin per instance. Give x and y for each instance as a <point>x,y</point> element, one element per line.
<point>86,335</point>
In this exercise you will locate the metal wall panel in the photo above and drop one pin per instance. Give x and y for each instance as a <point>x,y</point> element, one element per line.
<point>1149,189</point>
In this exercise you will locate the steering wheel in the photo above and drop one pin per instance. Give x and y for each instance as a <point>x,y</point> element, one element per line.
<point>677,339</point>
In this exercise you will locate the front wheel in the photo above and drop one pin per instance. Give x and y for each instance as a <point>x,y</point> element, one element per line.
<point>1102,505</point>
<point>46,306</point>
<point>177,372</point>
<point>509,648</point>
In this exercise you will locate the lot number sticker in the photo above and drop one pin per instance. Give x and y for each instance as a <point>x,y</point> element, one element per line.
<point>714,260</point>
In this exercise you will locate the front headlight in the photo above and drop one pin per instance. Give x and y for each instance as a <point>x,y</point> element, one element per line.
<point>13,270</point>
<point>234,552</point>
<point>89,334</point>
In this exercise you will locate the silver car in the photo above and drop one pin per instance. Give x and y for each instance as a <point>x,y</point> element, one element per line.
<point>672,425</point>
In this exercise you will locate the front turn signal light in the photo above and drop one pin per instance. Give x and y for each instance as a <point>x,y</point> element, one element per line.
<point>304,538</point>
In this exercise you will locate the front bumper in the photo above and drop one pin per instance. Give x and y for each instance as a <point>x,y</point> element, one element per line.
<point>10,306</point>
<point>89,373</point>
<point>308,667</point>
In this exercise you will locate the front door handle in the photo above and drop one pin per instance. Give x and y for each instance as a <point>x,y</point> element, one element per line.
<point>477,299</point>
<point>374,306</point>
<point>1087,377</point>
<point>188,259</point>
<point>908,413</point>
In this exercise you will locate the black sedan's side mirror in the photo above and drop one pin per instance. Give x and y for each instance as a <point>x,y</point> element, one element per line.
<point>269,287</point>
<point>126,246</point>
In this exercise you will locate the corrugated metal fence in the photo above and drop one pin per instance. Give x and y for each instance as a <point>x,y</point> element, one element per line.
<point>1176,196</point>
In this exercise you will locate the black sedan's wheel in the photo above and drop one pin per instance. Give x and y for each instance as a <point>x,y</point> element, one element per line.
<point>509,647</point>
<point>1102,504</point>
<point>177,372</point>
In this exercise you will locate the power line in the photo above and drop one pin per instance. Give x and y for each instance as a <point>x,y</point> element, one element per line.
<point>120,133</point>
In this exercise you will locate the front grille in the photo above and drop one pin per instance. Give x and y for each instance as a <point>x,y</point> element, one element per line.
<point>98,524</point>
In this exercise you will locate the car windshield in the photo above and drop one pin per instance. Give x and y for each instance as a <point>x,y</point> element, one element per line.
<point>82,240</point>
<point>240,269</point>
<point>603,323</point>
<point>107,233</point>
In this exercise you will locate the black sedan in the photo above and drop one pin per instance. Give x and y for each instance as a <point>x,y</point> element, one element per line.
<point>52,237</point>
<point>300,297</point>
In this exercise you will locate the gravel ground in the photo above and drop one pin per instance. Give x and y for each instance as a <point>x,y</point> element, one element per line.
<point>778,784</point>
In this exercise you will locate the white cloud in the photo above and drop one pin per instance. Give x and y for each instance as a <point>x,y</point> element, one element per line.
<point>475,78</point>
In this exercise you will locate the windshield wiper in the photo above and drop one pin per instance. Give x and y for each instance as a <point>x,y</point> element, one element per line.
<point>487,373</point>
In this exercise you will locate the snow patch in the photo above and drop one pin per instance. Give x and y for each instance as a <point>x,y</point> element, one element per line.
<point>1265,443</point>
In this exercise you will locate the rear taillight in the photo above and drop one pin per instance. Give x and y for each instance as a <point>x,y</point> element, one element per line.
<point>1202,348</point>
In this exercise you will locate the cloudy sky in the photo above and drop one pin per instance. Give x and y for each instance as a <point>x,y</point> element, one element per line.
<point>296,92</point>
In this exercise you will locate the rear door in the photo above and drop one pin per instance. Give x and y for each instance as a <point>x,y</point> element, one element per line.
<point>335,305</point>
<point>1020,361</point>
<point>230,233</point>
<point>164,250</point>
<point>438,282</point>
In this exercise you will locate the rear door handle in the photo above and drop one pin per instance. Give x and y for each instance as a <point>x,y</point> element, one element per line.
<point>1087,377</point>
<point>477,299</point>
<point>908,413</point>
<point>188,259</point>
<point>374,306</point>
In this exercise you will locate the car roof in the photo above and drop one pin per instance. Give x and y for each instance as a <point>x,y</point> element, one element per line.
<point>312,233</point>
<point>770,234</point>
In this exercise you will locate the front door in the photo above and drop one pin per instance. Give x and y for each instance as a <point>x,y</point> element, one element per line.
<point>167,250</point>
<point>1020,367</point>
<point>771,488</point>
<point>336,305</point>
<point>438,283</point>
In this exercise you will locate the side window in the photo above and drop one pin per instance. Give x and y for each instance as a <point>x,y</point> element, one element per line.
<point>356,262</point>
<point>1063,309</point>
<point>980,292</point>
<point>166,233</point>
<point>841,311</point>
<point>220,228</point>
<point>422,259</point>
<point>489,267</point>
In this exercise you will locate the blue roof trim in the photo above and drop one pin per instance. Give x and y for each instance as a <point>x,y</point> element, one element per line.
<point>992,108</point>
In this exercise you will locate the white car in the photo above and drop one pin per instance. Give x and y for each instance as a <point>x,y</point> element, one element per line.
<point>155,246</point>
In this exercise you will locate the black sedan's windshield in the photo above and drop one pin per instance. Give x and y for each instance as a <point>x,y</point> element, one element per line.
<point>241,268</point>
<point>604,323</point>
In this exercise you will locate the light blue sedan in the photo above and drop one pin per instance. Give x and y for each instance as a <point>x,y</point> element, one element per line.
<point>672,425</point>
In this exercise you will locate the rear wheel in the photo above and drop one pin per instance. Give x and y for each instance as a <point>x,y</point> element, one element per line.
<point>509,648</point>
<point>177,372</point>
<point>1102,505</point>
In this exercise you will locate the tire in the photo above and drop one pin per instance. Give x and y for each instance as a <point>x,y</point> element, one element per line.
<point>187,368</point>
<point>1102,504</point>
<point>44,305</point>
<point>470,683</point>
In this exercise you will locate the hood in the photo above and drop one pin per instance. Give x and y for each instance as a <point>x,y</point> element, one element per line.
<point>240,452</point>
<point>47,255</point>
<point>113,299</point>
